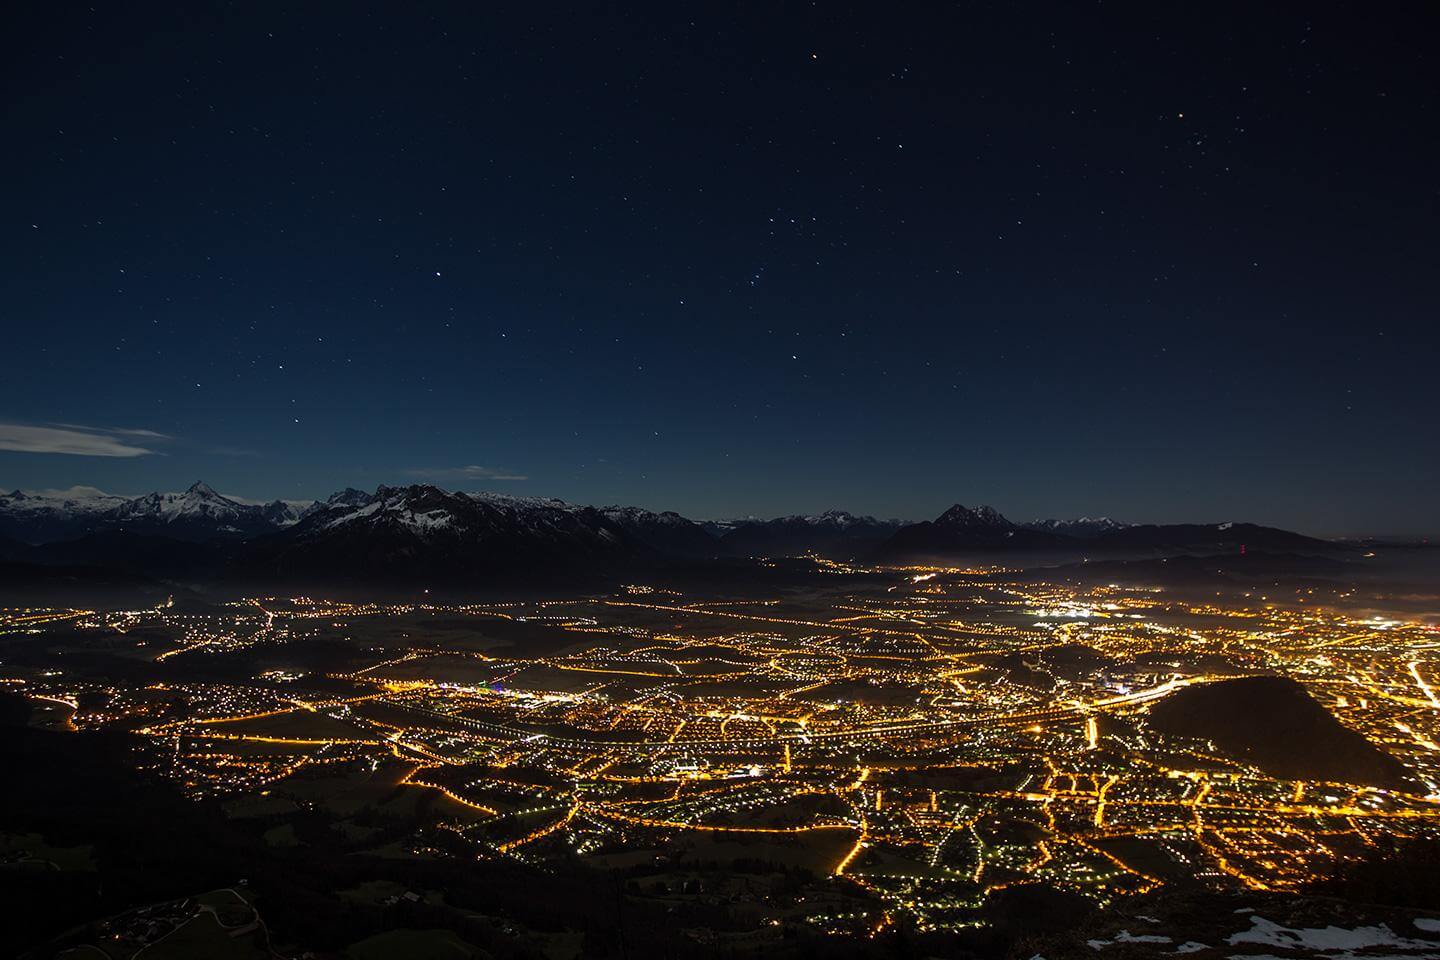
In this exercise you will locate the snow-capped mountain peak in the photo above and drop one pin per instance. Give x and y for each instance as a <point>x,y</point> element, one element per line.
<point>666,531</point>
<point>198,513</point>
<point>348,497</point>
<point>982,517</point>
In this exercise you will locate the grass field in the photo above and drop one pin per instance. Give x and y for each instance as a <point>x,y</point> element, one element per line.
<point>373,891</point>
<point>20,849</point>
<point>204,937</point>
<point>291,725</point>
<point>282,836</point>
<point>413,945</point>
<point>258,806</point>
<point>443,668</point>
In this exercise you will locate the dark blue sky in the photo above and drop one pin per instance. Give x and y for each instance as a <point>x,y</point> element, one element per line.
<point>1155,263</point>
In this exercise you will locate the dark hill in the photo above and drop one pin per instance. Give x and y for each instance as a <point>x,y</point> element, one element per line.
<point>424,535</point>
<point>1210,538</point>
<point>1274,723</point>
<point>35,584</point>
<point>12,549</point>
<point>962,530</point>
<point>133,553</point>
<point>667,533</point>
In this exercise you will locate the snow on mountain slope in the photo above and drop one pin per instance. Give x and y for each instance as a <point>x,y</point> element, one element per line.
<point>1083,527</point>
<point>667,532</point>
<point>421,532</point>
<point>200,502</point>
<point>198,513</point>
<point>833,533</point>
<point>974,518</point>
<point>74,501</point>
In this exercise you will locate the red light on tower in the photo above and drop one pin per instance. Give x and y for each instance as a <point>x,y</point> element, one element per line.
<point>1242,549</point>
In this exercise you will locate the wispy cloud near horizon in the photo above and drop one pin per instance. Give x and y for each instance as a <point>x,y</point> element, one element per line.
<point>77,440</point>
<point>116,431</point>
<point>471,472</point>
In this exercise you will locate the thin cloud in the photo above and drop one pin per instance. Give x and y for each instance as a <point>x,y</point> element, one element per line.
<point>116,431</point>
<point>471,472</point>
<point>74,440</point>
<point>147,434</point>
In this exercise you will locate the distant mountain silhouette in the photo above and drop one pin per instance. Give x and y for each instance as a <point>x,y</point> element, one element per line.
<point>666,532</point>
<point>1273,723</point>
<point>421,534</point>
<point>964,530</point>
<point>1209,537</point>
<point>197,514</point>
<point>834,534</point>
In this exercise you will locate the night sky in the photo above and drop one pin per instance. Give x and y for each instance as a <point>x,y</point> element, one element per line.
<point>1161,264</point>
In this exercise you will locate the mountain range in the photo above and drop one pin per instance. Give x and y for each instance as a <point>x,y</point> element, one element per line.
<point>197,514</point>
<point>1083,527</point>
<point>423,533</point>
<point>962,531</point>
<point>834,533</point>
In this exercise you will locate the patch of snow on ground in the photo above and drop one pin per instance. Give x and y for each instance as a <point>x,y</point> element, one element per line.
<point>1191,946</point>
<point>1125,936</point>
<point>1427,924</point>
<point>1342,955</point>
<point>1269,933</point>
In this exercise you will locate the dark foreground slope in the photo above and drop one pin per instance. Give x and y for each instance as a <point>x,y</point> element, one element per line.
<point>1274,723</point>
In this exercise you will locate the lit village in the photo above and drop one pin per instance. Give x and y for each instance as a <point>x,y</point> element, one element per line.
<point>906,747</point>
